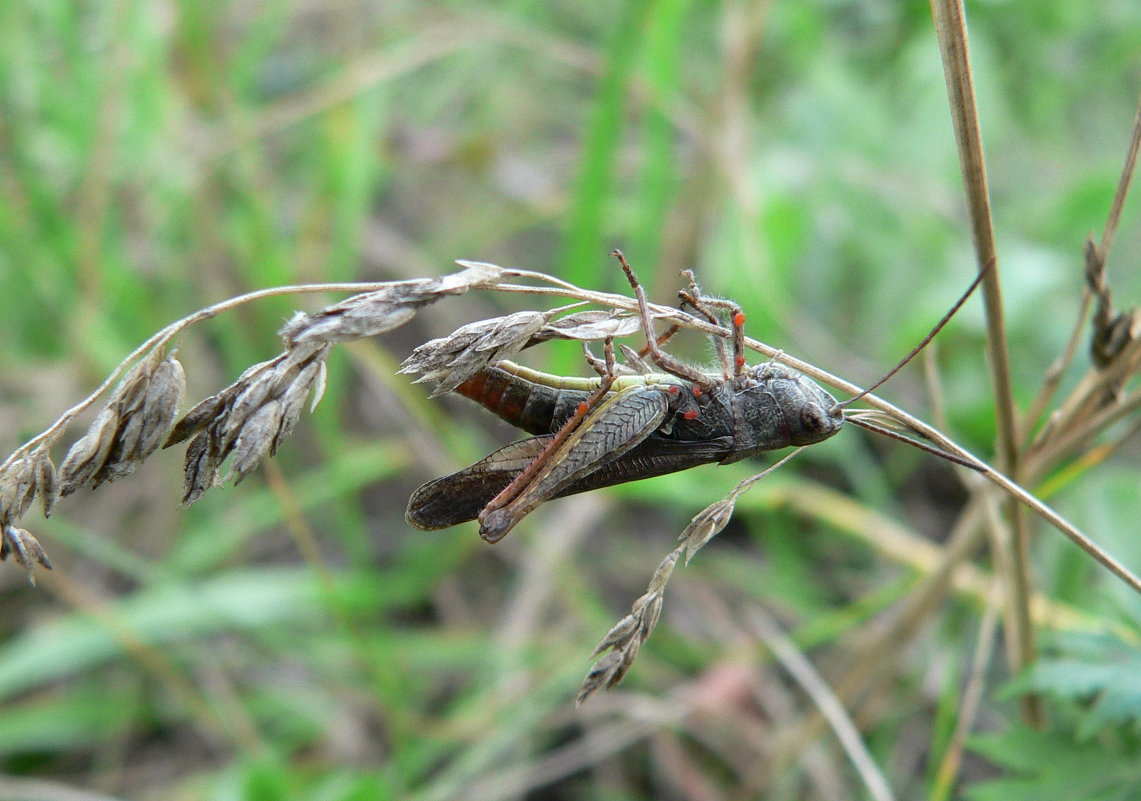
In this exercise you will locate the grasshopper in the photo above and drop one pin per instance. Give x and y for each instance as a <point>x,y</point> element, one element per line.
<point>592,433</point>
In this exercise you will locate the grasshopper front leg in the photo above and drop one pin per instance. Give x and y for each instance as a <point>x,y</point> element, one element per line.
<point>620,422</point>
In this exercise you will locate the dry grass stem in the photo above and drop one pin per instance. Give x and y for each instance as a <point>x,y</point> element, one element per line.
<point>826,701</point>
<point>951,31</point>
<point>948,770</point>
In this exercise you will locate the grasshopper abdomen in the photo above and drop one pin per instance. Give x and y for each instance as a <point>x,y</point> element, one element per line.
<point>536,402</point>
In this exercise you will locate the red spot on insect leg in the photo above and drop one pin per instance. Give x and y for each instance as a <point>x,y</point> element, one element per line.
<point>582,408</point>
<point>739,319</point>
<point>740,360</point>
<point>690,414</point>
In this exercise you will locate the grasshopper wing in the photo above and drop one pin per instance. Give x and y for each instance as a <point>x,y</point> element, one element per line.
<point>654,456</point>
<point>461,496</point>
<point>618,424</point>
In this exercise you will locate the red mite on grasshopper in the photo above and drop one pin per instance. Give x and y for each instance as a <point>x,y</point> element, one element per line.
<point>593,433</point>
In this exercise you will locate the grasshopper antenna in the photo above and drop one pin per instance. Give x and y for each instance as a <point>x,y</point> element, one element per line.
<point>864,423</point>
<point>927,339</point>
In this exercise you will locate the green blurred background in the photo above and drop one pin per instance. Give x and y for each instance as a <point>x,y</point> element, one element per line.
<point>293,638</point>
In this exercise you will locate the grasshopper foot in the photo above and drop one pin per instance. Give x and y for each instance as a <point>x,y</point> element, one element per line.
<point>494,525</point>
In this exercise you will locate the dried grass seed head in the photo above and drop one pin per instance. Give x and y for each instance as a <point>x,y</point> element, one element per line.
<point>22,479</point>
<point>47,480</point>
<point>17,488</point>
<point>250,418</point>
<point>130,426</point>
<point>384,309</point>
<point>706,525</point>
<point>24,548</point>
<point>592,325</point>
<point>89,452</point>
<point>451,360</point>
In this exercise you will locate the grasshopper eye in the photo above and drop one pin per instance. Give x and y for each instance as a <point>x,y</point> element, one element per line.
<point>813,419</point>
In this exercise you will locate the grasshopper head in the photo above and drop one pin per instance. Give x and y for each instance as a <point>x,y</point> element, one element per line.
<point>812,417</point>
<point>777,407</point>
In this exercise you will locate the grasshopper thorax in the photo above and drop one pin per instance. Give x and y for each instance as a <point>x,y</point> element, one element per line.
<point>777,407</point>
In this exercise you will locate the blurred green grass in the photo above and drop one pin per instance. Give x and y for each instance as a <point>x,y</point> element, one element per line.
<point>156,157</point>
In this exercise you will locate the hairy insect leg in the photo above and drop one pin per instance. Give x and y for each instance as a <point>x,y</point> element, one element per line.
<point>635,367</point>
<point>523,481</point>
<point>659,356</point>
<point>692,298</point>
<point>636,360</point>
<point>702,303</point>
<point>670,332</point>
<point>596,364</point>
